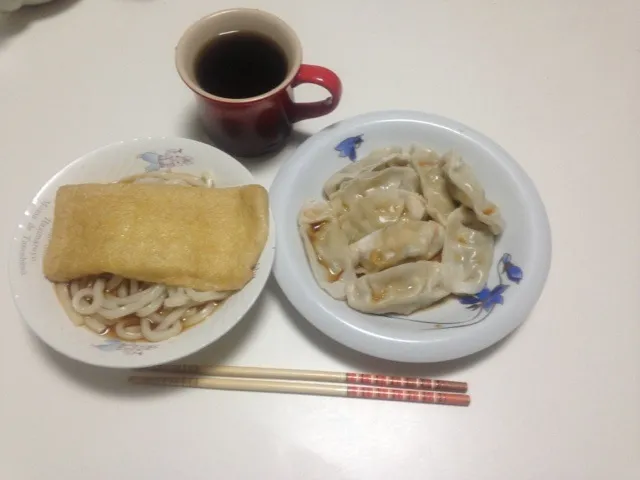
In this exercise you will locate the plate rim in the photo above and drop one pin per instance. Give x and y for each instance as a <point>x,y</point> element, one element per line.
<point>366,342</point>
<point>132,361</point>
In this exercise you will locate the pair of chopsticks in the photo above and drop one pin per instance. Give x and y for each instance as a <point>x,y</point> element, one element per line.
<point>310,382</point>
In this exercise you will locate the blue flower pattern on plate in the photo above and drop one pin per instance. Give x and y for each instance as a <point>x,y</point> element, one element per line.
<point>483,302</point>
<point>486,299</point>
<point>171,158</point>
<point>124,347</point>
<point>348,147</point>
<point>514,273</point>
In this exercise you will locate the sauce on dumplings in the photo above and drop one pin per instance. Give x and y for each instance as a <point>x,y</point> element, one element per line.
<point>489,210</point>
<point>316,227</point>
<point>378,295</point>
<point>388,230</point>
<point>319,236</point>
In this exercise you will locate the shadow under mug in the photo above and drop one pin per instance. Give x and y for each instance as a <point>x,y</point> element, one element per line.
<point>253,126</point>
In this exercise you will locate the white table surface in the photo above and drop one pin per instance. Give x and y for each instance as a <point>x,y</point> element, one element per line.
<point>557,83</point>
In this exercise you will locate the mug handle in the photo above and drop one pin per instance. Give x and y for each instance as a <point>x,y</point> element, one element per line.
<point>318,76</point>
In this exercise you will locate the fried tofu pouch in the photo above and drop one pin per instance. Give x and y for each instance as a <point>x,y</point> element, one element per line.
<point>201,238</point>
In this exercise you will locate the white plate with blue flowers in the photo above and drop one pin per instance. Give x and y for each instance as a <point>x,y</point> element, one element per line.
<point>34,295</point>
<point>459,326</point>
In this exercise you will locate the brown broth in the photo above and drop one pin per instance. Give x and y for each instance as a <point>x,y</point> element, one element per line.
<point>110,332</point>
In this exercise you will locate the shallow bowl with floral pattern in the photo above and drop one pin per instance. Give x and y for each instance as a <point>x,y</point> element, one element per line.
<point>34,295</point>
<point>459,326</point>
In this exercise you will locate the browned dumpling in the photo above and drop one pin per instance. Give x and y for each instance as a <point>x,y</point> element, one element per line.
<point>380,208</point>
<point>401,289</point>
<point>403,178</point>
<point>376,160</point>
<point>434,186</point>
<point>327,248</point>
<point>406,240</point>
<point>466,189</point>
<point>467,253</point>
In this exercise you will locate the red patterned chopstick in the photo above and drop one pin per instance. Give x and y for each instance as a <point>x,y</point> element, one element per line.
<point>418,396</point>
<point>417,383</point>
<point>307,388</point>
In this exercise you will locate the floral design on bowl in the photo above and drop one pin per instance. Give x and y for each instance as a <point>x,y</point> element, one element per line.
<point>348,147</point>
<point>483,302</point>
<point>113,345</point>
<point>487,299</point>
<point>171,158</point>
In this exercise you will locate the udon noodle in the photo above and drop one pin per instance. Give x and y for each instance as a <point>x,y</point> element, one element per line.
<point>135,310</point>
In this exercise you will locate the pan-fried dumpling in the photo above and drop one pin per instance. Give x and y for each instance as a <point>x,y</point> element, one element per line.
<point>465,188</point>
<point>397,243</point>
<point>433,183</point>
<point>326,247</point>
<point>401,289</point>
<point>403,178</point>
<point>467,253</point>
<point>378,208</point>
<point>376,160</point>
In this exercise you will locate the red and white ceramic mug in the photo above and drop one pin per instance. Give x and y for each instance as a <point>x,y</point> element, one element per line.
<point>262,123</point>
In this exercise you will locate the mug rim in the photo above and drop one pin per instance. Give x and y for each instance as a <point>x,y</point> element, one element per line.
<point>193,84</point>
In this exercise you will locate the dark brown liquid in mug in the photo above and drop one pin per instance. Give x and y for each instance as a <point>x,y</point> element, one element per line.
<point>240,65</point>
